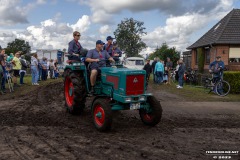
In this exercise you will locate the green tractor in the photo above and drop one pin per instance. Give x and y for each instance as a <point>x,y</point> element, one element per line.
<point>116,88</point>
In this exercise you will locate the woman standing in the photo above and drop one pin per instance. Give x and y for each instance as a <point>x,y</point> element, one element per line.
<point>34,69</point>
<point>23,69</point>
<point>159,71</point>
<point>181,71</point>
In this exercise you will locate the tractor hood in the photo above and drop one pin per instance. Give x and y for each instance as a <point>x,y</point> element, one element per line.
<point>123,81</point>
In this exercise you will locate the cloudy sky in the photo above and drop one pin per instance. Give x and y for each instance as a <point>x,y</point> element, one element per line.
<point>48,24</point>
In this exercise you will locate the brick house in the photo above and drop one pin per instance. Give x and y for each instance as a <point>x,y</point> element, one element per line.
<point>223,39</point>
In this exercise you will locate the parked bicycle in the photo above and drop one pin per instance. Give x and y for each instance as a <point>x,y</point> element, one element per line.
<point>190,76</point>
<point>217,85</point>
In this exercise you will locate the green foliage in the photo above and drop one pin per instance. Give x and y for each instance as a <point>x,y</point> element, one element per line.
<point>233,78</point>
<point>201,60</point>
<point>128,35</point>
<point>165,51</point>
<point>18,45</point>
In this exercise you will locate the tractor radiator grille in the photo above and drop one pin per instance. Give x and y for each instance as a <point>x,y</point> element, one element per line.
<point>135,85</point>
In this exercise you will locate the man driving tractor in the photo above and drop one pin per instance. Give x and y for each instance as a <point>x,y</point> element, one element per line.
<point>97,58</point>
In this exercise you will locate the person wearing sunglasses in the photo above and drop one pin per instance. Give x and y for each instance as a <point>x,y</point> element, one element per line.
<point>74,47</point>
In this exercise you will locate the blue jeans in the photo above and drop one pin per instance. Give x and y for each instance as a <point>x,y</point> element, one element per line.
<point>35,75</point>
<point>180,79</point>
<point>159,76</point>
<point>40,74</point>
<point>44,74</point>
<point>4,80</point>
<point>22,74</point>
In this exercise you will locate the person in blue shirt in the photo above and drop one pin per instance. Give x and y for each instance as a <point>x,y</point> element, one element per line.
<point>181,71</point>
<point>44,69</point>
<point>159,71</point>
<point>97,58</point>
<point>216,67</point>
<point>115,52</point>
<point>74,47</point>
<point>109,45</point>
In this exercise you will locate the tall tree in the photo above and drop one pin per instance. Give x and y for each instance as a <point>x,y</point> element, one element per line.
<point>18,45</point>
<point>165,51</point>
<point>128,35</point>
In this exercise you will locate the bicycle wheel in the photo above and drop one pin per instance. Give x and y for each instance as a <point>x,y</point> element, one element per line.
<point>207,85</point>
<point>222,88</point>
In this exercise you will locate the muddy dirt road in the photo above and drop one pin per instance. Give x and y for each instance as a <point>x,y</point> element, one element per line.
<point>37,126</point>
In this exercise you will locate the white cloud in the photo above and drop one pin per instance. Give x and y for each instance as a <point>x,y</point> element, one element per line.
<point>105,29</point>
<point>41,2</point>
<point>50,34</point>
<point>179,29</point>
<point>82,24</point>
<point>14,12</point>
<point>104,10</point>
<point>11,13</point>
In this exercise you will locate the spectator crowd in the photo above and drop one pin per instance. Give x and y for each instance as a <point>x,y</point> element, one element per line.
<point>164,72</point>
<point>13,69</point>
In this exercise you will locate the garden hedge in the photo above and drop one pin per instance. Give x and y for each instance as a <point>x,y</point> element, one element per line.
<point>201,60</point>
<point>233,78</point>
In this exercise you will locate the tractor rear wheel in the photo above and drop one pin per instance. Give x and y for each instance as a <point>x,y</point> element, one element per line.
<point>102,114</point>
<point>152,117</point>
<point>74,91</point>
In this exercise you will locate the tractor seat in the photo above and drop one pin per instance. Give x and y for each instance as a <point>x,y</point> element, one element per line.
<point>73,61</point>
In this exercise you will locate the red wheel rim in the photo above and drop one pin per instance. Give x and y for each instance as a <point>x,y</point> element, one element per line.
<point>147,117</point>
<point>99,115</point>
<point>69,91</point>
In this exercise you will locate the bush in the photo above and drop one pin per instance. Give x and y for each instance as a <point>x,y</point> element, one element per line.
<point>233,78</point>
<point>201,60</point>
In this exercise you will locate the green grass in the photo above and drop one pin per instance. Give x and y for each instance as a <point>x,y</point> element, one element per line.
<point>195,93</point>
<point>27,87</point>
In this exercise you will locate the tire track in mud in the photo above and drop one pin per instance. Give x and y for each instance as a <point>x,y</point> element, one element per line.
<point>54,134</point>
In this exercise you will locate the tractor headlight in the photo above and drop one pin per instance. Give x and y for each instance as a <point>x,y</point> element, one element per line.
<point>128,99</point>
<point>142,98</point>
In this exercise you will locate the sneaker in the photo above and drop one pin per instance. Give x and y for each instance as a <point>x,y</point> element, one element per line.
<point>36,84</point>
<point>180,87</point>
<point>177,85</point>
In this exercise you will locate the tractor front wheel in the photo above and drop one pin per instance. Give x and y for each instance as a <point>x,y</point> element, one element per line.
<point>153,116</point>
<point>102,114</point>
<point>74,91</point>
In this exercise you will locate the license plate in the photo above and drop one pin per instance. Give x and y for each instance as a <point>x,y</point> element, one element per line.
<point>134,106</point>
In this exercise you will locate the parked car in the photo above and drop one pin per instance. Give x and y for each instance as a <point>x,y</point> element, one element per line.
<point>134,63</point>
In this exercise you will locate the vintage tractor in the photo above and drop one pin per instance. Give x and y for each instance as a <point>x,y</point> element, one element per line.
<point>116,88</point>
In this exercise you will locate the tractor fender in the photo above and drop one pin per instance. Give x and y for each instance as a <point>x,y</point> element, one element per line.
<point>100,96</point>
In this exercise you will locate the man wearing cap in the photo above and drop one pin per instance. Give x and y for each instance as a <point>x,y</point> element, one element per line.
<point>216,67</point>
<point>97,58</point>
<point>109,45</point>
<point>74,47</point>
<point>116,52</point>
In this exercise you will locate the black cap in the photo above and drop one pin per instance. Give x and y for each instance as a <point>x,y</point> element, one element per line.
<point>109,37</point>
<point>99,42</point>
